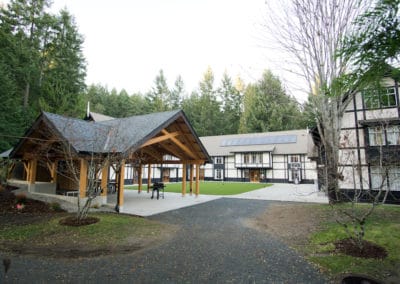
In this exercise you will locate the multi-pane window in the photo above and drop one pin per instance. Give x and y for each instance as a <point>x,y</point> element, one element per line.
<point>218,174</point>
<point>380,98</point>
<point>376,136</point>
<point>378,178</point>
<point>379,135</point>
<point>246,158</point>
<point>394,179</point>
<point>381,177</point>
<point>294,159</point>
<point>393,135</point>
<point>218,160</point>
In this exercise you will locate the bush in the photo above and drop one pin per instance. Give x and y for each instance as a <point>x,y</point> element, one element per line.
<point>55,206</point>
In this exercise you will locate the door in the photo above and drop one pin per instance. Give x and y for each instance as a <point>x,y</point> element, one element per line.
<point>165,175</point>
<point>254,175</point>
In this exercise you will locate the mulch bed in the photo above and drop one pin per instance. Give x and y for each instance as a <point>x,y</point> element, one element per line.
<point>32,211</point>
<point>369,250</point>
<point>73,221</point>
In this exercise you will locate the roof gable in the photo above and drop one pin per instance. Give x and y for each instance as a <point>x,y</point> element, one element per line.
<point>120,135</point>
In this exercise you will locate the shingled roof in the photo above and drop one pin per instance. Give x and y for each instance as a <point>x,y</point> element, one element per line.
<point>117,135</point>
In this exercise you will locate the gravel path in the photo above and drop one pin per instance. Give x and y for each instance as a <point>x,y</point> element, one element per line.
<point>213,245</point>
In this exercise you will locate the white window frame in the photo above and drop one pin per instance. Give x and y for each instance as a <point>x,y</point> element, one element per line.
<point>393,135</point>
<point>376,136</point>
<point>394,178</point>
<point>218,174</point>
<point>218,160</point>
<point>377,176</point>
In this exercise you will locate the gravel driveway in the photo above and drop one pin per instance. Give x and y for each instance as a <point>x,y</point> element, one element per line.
<point>213,245</point>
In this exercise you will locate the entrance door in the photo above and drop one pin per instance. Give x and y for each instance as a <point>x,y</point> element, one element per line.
<point>201,176</point>
<point>254,175</point>
<point>165,175</point>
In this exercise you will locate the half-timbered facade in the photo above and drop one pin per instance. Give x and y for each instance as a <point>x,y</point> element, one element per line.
<point>370,142</point>
<point>261,157</point>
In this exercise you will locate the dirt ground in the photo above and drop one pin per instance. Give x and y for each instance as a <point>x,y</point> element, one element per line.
<point>292,223</point>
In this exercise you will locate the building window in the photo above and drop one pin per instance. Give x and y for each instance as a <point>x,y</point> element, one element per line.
<point>381,177</point>
<point>378,178</point>
<point>380,99</point>
<point>218,174</point>
<point>246,159</point>
<point>376,136</point>
<point>394,179</point>
<point>379,135</point>
<point>294,159</point>
<point>218,160</point>
<point>393,135</point>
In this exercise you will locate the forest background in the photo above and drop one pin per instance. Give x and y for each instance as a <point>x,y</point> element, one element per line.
<point>42,68</point>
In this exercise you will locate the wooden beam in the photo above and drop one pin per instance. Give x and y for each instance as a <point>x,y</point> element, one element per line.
<point>180,145</point>
<point>148,178</point>
<point>121,184</point>
<point>52,167</point>
<point>83,178</point>
<point>104,179</point>
<point>159,139</point>
<point>183,179</point>
<point>197,179</point>
<point>32,169</point>
<point>26,167</point>
<point>140,181</point>
<point>173,151</point>
<point>156,155</point>
<point>191,179</point>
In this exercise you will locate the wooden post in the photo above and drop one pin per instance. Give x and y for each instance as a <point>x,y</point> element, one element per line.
<point>121,182</point>
<point>183,179</point>
<point>140,178</point>
<point>104,179</point>
<point>31,174</point>
<point>53,172</point>
<point>191,178</point>
<point>197,179</point>
<point>83,178</point>
<point>148,178</point>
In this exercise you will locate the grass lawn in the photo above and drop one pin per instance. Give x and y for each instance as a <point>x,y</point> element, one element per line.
<point>382,228</point>
<point>111,230</point>
<point>212,188</point>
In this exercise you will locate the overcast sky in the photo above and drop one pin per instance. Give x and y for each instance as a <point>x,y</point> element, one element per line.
<point>127,42</point>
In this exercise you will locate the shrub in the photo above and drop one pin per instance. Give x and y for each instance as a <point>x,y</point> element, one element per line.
<point>55,206</point>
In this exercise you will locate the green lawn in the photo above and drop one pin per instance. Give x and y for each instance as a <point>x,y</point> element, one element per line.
<point>382,228</point>
<point>212,188</point>
<point>112,228</point>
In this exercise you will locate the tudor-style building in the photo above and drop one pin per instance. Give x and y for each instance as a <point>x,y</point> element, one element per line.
<point>140,141</point>
<point>369,151</point>
<point>281,156</point>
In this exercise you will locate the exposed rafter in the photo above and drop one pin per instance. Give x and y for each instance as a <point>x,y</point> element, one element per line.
<point>180,145</point>
<point>159,139</point>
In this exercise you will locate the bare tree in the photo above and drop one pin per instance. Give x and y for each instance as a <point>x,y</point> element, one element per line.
<point>311,32</point>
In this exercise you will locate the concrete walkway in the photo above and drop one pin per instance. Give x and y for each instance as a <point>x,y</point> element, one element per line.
<point>142,204</point>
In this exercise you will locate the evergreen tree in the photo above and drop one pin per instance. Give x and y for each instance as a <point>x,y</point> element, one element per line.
<point>160,93</point>
<point>231,106</point>
<point>63,71</point>
<point>203,108</point>
<point>177,94</point>
<point>268,108</point>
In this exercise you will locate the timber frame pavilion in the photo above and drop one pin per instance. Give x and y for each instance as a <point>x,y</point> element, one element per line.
<point>53,141</point>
